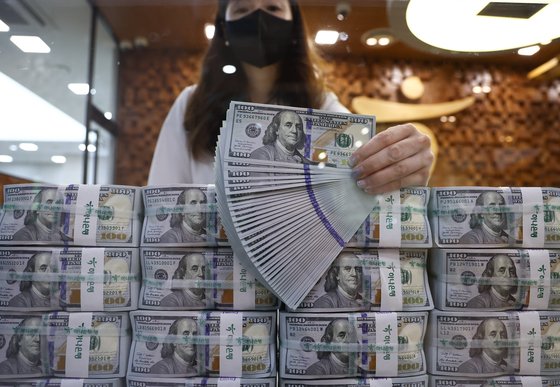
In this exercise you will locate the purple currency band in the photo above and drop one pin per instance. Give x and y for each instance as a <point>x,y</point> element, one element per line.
<point>317,208</point>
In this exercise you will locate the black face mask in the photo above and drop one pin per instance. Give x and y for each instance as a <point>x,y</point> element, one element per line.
<point>259,38</point>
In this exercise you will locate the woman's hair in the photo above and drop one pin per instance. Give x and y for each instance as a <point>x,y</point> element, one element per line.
<point>298,83</point>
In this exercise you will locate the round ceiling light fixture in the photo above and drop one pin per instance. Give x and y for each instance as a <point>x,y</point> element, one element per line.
<point>473,26</point>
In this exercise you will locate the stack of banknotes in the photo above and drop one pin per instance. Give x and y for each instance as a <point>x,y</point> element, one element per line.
<point>221,283</point>
<point>491,344</point>
<point>134,381</point>
<point>79,215</point>
<point>45,278</point>
<point>169,344</point>
<point>496,279</point>
<point>342,345</point>
<point>182,215</point>
<point>275,161</point>
<point>372,279</point>
<point>502,381</point>
<point>489,217</point>
<point>54,382</point>
<point>61,344</point>
<point>416,381</point>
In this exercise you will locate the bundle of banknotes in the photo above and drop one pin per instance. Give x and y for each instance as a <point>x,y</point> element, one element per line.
<point>182,215</point>
<point>410,218</point>
<point>495,279</point>
<point>412,381</point>
<point>276,161</point>
<point>53,382</point>
<point>496,217</point>
<point>173,344</point>
<point>503,381</point>
<point>337,345</point>
<point>488,344</point>
<point>44,278</point>
<point>80,215</point>
<point>134,381</point>
<point>61,344</point>
<point>203,278</point>
<point>372,279</point>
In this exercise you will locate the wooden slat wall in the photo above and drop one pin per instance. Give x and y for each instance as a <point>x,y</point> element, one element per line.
<point>509,137</point>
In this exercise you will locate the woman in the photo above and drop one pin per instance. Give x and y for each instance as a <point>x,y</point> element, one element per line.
<point>266,41</point>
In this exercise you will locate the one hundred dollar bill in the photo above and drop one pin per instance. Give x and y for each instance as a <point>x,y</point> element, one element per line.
<point>178,344</point>
<point>23,341</point>
<point>411,230</point>
<point>325,346</point>
<point>504,381</point>
<point>136,381</point>
<point>82,215</point>
<point>412,381</point>
<point>66,382</point>
<point>73,278</point>
<point>373,279</point>
<point>83,344</point>
<point>496,279</point>
<point>317,138</point>
<point>493,343</point>
<point>496,217</point>
<point>182,215</point>
<point>200,278</point>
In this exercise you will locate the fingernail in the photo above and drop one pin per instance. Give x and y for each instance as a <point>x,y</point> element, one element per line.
<point>356,172</point>
<point>352,161</point>
<point>361,184</point>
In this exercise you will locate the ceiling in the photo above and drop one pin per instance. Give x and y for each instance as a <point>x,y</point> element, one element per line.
<point>180,24</point>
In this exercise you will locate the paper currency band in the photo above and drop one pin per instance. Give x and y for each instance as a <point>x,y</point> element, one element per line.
<point>69,277</point>
<point>204,340</point>
<point>461,280</point>
<point>154,210</point>
<point>351,347</point>
<point>317,208</point>
<point>199,284</point>
<point>103,212</point>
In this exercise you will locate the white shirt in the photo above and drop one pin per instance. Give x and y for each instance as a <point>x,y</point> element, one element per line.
<point>173,162</point>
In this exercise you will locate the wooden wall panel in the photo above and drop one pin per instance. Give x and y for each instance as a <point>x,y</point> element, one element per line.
<point>509,137</point>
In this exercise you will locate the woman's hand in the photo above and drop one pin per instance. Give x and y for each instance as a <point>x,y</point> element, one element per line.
<point>397,157</point>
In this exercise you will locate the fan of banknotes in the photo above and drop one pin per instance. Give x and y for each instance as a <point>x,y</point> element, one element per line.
<point>285,192</point>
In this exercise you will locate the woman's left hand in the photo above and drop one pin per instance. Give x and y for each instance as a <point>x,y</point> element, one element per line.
<point>397,157</point>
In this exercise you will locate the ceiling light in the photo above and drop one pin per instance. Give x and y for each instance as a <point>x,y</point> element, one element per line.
<point>326,37</point>
<point>6,159</point>
<point>91,148</point>
<point>108,115</point>
<point>477,89</point>
<point>414,22</point>
<point>528,51</point>
<point>79,88</point>
<point>28,147</point>
<point>4,27</point>
<point>13,147</point>
<point>209,30</point>
<point>30,44</point>
<point>486,89</point>
<point>377,37</point>
<point>58,159</point>
<point>229,69</point>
